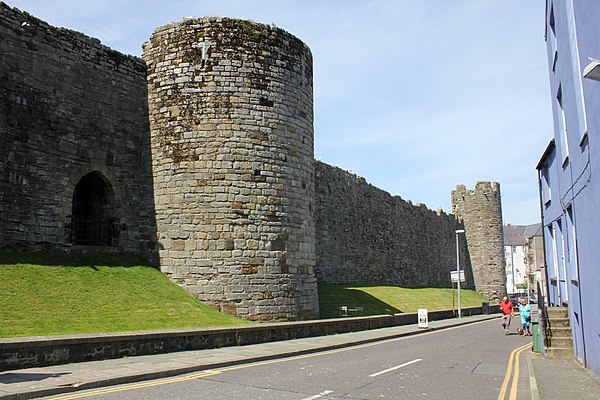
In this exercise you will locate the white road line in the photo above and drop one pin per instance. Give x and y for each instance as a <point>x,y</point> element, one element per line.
<point>318,396</point>
<point>395,368</point>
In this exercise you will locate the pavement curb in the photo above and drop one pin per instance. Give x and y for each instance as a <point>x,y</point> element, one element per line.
<point>200,367</point>
<point>533,383</point>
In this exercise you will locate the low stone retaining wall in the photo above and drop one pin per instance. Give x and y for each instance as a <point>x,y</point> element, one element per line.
<point>17,353</point>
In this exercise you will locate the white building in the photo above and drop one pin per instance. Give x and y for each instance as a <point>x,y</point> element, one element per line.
<point>523,252</point>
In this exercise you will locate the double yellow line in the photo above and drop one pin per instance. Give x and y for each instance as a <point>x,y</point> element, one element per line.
<point>206,373</point>
<point>142,385</point>
<point>513,359</point>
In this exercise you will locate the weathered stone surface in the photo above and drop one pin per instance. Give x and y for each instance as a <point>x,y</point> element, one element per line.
<point>366,235</point>
<point>480,210</point>
<point>232,146</point>
<point>218,179</point>
<point>69,106</point>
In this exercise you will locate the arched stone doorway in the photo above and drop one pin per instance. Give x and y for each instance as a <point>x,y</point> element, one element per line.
<point>93,211</point>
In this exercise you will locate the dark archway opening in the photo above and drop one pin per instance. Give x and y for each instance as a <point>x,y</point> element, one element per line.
<point>93,217</point>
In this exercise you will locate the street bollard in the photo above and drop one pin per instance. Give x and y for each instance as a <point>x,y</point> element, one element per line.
<point>485,308</point>
<point>535,327</point>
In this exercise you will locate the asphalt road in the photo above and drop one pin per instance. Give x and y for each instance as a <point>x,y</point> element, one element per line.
<point>467,362</point>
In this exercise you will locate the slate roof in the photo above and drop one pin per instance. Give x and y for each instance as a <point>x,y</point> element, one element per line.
<point>516,235</point>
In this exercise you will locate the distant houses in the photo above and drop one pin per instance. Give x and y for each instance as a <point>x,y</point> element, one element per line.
<point>568,172</point>
<point>524,255</point>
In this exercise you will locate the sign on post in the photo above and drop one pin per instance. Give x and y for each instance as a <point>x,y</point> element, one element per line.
<point>454,276</point>
<point>423,318</point>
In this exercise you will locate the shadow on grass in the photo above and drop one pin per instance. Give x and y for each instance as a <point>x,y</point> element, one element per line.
<point>88,259</point>
<point>332,297</point>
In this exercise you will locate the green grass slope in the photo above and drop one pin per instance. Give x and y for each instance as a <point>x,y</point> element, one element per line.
<point>377,299</point>
<point>48,294</point>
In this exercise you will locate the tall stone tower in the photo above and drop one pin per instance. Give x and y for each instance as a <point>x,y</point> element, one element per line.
<point>480,211</point>
<point>231,125</point>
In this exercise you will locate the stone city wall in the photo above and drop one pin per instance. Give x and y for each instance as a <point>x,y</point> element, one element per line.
<point>205,150</point>
<point>364,234</point>
<point>69,106</point>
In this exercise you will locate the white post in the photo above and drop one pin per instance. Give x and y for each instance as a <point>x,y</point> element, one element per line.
<point>458,270</point>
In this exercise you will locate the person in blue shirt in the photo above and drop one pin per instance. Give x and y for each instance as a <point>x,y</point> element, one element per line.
<point>525,309</point>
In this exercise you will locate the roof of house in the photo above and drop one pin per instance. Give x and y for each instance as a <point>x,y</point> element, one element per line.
<point>517,235</point>
<point>533,230</point>
<point>549,149</point>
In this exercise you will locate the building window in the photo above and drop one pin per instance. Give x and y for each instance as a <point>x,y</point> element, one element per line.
<point>551,21</point>
<point>563,126</point>
<point>546,189</point>
<point>572,245</point>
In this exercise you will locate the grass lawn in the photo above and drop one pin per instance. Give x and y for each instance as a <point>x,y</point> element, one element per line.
<point>48,294</point>
<point>377,300</point>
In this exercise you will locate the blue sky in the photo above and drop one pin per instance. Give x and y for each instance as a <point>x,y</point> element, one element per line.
<point>416,96</point>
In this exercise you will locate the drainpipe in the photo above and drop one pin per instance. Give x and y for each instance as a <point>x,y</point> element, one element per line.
<point>580,299</point>
<point>545,266</point>
<point>512,265</point>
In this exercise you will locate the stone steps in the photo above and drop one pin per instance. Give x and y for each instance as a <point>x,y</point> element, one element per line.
<point>560,322</point>
<point>560,337</point>
<point>558,312</point>
<point>562,353</point>
<point>561,342</point>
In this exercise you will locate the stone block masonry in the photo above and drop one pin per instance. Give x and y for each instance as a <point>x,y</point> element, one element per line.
<point>364,234</point>
<point>231,124</point>
<point>480,210</point>
<point>70,107</point>
<point>200,156</point>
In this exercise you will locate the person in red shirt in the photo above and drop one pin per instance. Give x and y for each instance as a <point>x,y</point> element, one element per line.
<point>508,311</point>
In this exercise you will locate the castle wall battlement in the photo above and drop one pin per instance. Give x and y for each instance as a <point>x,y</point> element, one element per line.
<point>200,156</point>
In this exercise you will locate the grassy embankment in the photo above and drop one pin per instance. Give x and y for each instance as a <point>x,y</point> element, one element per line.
<point>47,294</point>
<point>380,299</point>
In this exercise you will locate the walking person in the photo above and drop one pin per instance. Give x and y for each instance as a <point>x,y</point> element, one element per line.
<point>508,311</point>
<point>525,309</point>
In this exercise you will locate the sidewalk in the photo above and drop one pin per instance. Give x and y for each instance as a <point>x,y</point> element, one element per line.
<point>561,379</point>
<point>48,381</point>
<point>556,379</point>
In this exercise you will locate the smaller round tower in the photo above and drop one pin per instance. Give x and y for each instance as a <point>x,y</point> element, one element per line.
<point>480,211</point>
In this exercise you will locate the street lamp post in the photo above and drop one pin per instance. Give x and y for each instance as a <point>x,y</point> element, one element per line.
<point>457,232</point>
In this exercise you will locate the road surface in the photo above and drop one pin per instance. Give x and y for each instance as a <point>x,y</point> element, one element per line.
<point>475,361</point>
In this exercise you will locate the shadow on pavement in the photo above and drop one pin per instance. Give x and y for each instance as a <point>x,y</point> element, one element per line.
<point>11,377</point>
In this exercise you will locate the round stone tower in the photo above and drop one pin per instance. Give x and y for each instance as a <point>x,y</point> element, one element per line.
<point>480,210</point>
<point>231,123</point>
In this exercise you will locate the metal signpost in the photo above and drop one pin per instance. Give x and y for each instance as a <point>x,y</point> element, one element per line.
<point>458,271</point>
<point>454,278</point>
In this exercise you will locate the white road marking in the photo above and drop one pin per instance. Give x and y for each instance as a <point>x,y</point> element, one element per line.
<point>318,396</point>
<point>395,368</point>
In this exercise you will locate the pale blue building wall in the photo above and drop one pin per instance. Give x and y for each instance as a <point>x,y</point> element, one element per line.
<point>569,189</point>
